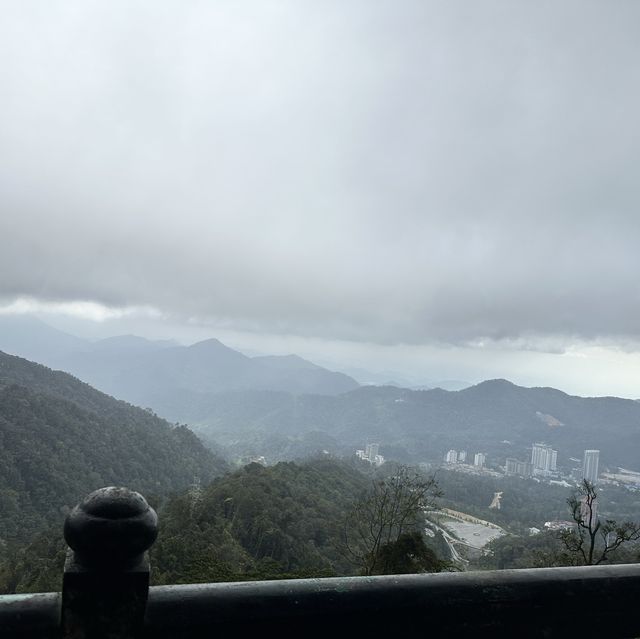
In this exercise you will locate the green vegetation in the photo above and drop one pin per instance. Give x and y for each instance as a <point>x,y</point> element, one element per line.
<point>259,523</point>
<point>383,531</point>
<point>60,439</point>
<point>524,504</point>
<point>286,520</point>
<point>496,417</point>
<point>589,538</point>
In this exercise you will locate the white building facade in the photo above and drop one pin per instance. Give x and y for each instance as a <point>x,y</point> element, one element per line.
<point>479,460</point>
<point>590,465</point>
<point>543,459</point>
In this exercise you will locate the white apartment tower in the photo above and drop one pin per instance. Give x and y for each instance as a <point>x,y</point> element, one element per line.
<point>372,451</point>
<point>462,456</point>
<point>543,459</point>
<point>590,465</point>
<point>479,460</point>
<point>451,457</point>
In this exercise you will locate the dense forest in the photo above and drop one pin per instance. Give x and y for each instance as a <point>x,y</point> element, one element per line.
<point>60,439</point>
<point>258,522</point>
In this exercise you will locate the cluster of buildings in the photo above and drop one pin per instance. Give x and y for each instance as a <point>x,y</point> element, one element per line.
<point>460,457</point>
<point>371,454</point>
<point>544,463</point>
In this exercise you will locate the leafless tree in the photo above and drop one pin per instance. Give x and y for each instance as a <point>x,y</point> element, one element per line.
<point>591,539</point>
<point>394,505</point>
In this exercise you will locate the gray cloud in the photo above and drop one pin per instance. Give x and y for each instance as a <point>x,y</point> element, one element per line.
<point>389,172</point>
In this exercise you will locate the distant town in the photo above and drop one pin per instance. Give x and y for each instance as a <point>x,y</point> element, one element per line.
<point>543,465</point>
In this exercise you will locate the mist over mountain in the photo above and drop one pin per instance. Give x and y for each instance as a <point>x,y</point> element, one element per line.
<point>60,439</point>
<point>29,337</point>
<point>396,378</point>
<point>286,406</point>
<point>155,373</point>
<point>496,417</point>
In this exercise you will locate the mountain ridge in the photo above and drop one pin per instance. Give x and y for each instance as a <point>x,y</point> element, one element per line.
<point>147,373</point>
<point>422,425</point>
<point>60,439</point>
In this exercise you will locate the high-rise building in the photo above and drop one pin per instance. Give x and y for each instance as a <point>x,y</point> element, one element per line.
<point>372,451</point>
<point>590,465</point>
<point>479,460</point>
<point>371,454</point>
<point>517,467</point>
<point>451,457</point>
<point>543,459</point>
<point>462,456</point>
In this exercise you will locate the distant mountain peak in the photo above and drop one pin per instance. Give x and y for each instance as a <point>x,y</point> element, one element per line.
<point>214,345</point>
<point>498,381</point>
<point>208,343</point>
<point>165,375</point>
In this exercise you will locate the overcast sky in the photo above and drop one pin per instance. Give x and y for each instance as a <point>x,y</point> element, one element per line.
<point>444,189</point>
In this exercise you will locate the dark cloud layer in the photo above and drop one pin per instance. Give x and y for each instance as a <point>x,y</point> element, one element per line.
<point>389,172</point>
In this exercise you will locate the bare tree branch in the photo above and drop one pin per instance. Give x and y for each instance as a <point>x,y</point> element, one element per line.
<point>591,539</point>
<point>392,506</point>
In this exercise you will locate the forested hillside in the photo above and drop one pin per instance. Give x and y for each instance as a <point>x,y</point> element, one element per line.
<point>496,417</point>
<point>286,520</point>
<point>60,439</point>
<point>260,522</point>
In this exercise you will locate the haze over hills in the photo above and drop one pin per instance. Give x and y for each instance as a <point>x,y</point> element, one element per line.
<point>60,439</point>
<point>496,417</point>
<point>28,337</point>
<point>286,406</point>
<point>150,373</point>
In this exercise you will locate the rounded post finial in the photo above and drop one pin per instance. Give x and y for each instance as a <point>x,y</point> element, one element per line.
<point>111,526</point>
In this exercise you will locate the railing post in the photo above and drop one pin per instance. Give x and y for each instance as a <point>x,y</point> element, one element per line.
<point>106,574</point>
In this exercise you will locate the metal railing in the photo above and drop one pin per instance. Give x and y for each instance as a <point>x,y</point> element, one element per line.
<point>106,594</point>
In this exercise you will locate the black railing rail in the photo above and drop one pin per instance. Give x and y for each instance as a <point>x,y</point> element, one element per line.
<point>106,595</point>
